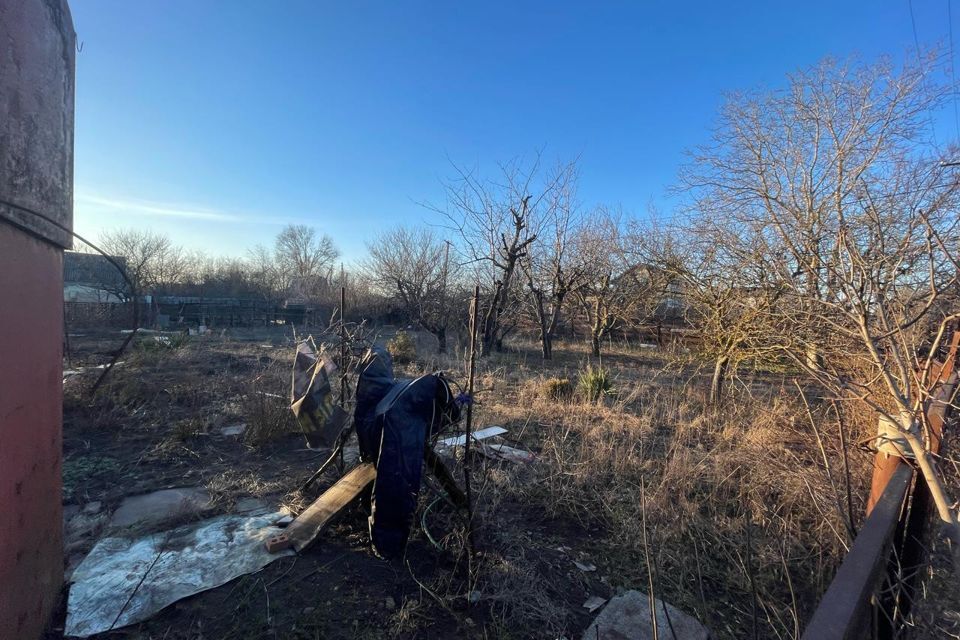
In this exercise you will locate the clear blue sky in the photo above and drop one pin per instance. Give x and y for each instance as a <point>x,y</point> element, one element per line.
<point>219,122</point>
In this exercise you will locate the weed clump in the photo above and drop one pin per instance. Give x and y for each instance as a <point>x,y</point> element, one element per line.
<point>265,409</point>
<point>557,389</point>
<point>594,383</point>
<point>161,343</point>
<point>402,348</point>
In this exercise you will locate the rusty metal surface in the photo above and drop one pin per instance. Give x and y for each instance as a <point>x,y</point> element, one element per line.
<point>845,608</point>
<point>31,520</point>
<point>890,547</point>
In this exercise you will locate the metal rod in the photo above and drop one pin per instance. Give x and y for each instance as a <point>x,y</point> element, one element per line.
<point>469,424</point>
<point>343,348</point>
<point>343,354</point>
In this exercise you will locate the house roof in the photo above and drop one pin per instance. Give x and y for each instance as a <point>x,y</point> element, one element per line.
<point>91,269</point>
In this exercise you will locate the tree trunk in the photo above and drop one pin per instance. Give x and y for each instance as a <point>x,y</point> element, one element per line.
<point>546,339</point>
<point>488,333</point>
<point>814,358</point>
<point>442,340</point>
<point>596,331</point>
<point>719,376</point>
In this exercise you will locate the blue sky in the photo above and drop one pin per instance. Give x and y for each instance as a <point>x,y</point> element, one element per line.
<point>219,122</point>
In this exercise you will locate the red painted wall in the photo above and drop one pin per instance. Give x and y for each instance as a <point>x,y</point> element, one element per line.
<point>31,405</point>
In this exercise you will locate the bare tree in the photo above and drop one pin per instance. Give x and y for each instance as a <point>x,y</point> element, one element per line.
<point>494,221</point>
<point>304,259</point>
<point>219,276</point>
<point>617,290</point>
<point>151,259</point>
<point>723,297</point>
<point>265,273</point>
<point>830,189</point>
<point>413,265</point>
<point>551,267</point>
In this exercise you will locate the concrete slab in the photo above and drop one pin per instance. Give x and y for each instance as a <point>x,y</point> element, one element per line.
<point>627,617</point>
<point>249,504</point>
<point>159,506</point>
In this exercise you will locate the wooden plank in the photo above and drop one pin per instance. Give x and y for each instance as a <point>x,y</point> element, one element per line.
<point>301,533</point>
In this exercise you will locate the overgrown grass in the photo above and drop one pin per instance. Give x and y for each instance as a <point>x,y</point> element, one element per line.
<point>651,458</point>
<point>265,405</point>
<point>557,389</point>
<point>700,479</point>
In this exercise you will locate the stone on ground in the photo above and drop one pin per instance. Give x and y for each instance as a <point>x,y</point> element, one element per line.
<point>627,617</point>
<point>159,506</point>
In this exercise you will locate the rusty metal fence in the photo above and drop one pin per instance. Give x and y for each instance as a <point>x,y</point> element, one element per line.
<point>873,589</point>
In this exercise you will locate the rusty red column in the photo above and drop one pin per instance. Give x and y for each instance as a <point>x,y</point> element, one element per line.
<point>37,48</point>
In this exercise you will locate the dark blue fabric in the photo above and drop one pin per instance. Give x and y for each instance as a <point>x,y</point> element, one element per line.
<point>374,382</point>
<point>403,417</point>
<point>393,420</point>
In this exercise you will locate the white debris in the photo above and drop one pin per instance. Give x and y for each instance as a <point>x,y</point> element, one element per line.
<point>499,451</point>
<point>482,434</point>
<point>69,373</point>
<point>586,567</point>
<point>123,580</point>
<point>234,430</point>
<point>593,603</point>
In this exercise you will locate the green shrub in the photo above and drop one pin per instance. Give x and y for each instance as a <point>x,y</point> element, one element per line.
<point>403,348</point>
<point>556,389</point>
<point>594,383</point>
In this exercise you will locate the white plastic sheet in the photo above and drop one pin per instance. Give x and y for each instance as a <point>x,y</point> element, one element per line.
<point>123,580</point>
<point>482,434</point>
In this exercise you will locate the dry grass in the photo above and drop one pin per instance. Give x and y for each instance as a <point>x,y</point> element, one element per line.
<point>703,479</point>
<point>709,479</point>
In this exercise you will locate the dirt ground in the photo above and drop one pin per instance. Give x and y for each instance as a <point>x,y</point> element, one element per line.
<point>734,535</point>
<point>154,425</point>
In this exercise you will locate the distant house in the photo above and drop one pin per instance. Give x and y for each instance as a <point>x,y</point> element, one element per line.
<point>90,277</point>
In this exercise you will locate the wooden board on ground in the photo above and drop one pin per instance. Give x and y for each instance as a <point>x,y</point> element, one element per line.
<point>300,533</point>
